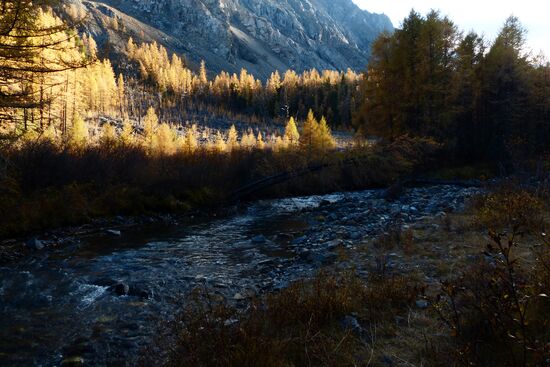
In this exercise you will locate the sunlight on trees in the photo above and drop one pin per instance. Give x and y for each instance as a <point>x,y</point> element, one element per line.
<point>291,132</point>
<point>79,135</point>
<point>150,125</point>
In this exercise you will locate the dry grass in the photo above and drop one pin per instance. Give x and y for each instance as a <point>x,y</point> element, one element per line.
<point>308,324</point>
<point>471,318</point>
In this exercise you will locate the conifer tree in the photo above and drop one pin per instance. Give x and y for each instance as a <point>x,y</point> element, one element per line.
<point>108,136</point>
<point>127,134</point>
<point>191,141</point>
<point>120,95</point>
<point>310,132</point>
<point>291,132</point>
<point>150,125</point>
<point>232,139</point>
<point>165,139</point>
<point>260,141</point>
<point>325,138</point>
<point>219,144</point>
<point>79,135</point>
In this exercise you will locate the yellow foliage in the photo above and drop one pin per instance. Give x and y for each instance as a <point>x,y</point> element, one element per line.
<point>127,134</point>
<point>291,132</point>
<point>150,125</point>
<point>165,139</point>
<point>79,134</point>
<point>108,135</point>
<point>232,140</point>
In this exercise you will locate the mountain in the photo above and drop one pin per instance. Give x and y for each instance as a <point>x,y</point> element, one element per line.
<point>259,35</point>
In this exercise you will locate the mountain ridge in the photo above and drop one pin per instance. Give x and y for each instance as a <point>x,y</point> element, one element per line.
<point>261,36</point>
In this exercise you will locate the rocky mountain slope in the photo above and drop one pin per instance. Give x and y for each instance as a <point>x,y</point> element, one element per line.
<point>261,36</point>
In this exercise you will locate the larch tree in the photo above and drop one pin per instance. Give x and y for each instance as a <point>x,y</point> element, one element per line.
<point>126,137</point>
<point>260,144</point>
<point>325,139</point>
<point>310,132</point>
<point>108,136</point>
<point>165,139</point>
<point>150,126</point>
<point>34,45</point>
<point>232,139</point>
<point>79,135</point>
<point>291,132</point>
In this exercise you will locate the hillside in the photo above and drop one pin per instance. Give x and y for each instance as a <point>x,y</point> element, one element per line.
<point>232,34</point>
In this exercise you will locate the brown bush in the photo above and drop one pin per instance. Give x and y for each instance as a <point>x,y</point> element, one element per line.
<point>510,209</point>
<point>498,311</point>
<point>298,326</point>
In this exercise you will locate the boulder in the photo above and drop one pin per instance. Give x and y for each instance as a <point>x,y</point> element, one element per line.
<point>34,244</point>
<point>121,289</point>
<point>259,239</point>
<point>299,241</point>
<point>422,304</point>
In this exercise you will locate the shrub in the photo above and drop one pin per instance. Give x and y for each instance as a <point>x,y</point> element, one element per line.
<point>499,310</point>
<point>301,325</point>
<point>511,209</point>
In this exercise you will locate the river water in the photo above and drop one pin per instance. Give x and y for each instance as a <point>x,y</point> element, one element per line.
<point>61,304</point>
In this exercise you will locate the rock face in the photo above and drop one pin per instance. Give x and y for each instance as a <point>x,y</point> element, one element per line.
<point>260,35</point>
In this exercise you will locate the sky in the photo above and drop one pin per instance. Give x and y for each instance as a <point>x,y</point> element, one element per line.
<point>484,16</point>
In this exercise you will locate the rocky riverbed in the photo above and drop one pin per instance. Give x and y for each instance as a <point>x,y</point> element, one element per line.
<point>96,298</point>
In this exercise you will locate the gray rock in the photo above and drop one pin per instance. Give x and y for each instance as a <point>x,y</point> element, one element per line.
<point>355,235</point>
<point>114,232</point>
<point>34,244</point>
<point>299,241</point>
<point>331,245</point>
<point>422,304</point>
<point>239,297</point>
<point>259,239</point>
<point>351,323</point>
<point>121,289</point>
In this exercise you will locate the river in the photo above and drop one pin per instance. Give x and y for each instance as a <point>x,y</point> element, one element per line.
<point>100,300</point>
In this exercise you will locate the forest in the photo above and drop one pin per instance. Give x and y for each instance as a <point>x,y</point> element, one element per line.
<point>87,141</point>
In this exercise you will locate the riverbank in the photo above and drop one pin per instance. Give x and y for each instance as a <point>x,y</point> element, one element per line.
<point>439,291</point>
<point>100,299</point>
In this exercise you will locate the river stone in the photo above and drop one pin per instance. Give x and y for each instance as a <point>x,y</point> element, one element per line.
<point>351,323</point>
<point>122,289</point>
<point>34,244</point>
<point>285,236</point>
<point>422,304</point>
<point>355,235</point>
<point>238,297</point>
<point>334,244</point>
<point>299,241</point>
<point>259,239</point>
